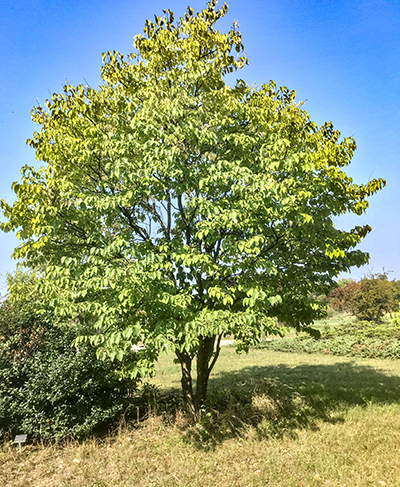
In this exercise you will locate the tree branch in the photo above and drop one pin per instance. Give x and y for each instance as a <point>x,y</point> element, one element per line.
<point>152,209</point>
<point>216,354</point>
<point>139,230</point>
<point>184,219</point>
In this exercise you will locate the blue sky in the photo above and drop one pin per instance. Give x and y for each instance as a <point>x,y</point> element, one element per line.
<point>341,57</point>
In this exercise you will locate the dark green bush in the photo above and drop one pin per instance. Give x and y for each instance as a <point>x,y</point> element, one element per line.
<point>48,388</point>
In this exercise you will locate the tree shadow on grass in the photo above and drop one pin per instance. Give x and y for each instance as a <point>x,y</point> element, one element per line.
<point>278,400</point>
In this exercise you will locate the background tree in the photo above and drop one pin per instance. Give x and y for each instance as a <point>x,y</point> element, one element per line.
<point>342,295</point>
<point>344,281</point>
<point>369,299</point>
<point>175,209</point>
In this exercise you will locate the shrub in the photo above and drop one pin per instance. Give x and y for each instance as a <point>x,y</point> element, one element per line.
<point>369,299</point>
<point>48,388</point>
<point>365,329</point>
<point>345,346</point>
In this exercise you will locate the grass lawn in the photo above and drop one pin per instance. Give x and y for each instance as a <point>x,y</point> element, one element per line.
<point>274,419</point>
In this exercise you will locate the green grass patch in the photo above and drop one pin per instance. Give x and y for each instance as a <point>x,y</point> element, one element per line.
<point>276,394</point>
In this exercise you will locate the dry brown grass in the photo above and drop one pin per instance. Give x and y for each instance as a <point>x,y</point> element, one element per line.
<point>362,451</point>
<point>352,444</point>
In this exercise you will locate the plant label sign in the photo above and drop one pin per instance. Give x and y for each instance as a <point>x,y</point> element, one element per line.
<point>20,439</point>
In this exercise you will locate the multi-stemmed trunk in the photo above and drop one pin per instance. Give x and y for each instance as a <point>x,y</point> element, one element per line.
<point>205,361</point>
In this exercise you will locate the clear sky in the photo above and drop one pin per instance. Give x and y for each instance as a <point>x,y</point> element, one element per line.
<point>342,58</point>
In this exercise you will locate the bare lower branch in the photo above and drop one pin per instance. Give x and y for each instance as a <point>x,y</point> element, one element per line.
<point>216,353</point>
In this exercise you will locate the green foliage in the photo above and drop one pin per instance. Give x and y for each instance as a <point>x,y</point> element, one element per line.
<point>174,209</point>
<point>369,299</point>
<point>48,388</point>
<point>365,329</point>
<point>346,346</point>
<point>344,282</point>
<point>358,338</point>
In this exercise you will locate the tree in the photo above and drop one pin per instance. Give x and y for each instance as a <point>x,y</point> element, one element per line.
<point>342,295</point>
<point>175,209</point>
<point>369,299</point>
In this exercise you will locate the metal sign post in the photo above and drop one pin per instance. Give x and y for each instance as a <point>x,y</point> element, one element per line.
<point>20,439</point>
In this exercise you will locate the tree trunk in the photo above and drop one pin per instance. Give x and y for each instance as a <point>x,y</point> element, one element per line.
<point>186,382</point>
<point>204,355</point>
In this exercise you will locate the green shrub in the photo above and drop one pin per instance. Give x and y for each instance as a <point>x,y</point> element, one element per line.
<point>369,299</point>
<point>345,346</point>
<point>48,388</point>
<point>365,329</point>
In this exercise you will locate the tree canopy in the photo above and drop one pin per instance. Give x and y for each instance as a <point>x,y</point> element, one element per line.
<point>175,209</point>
